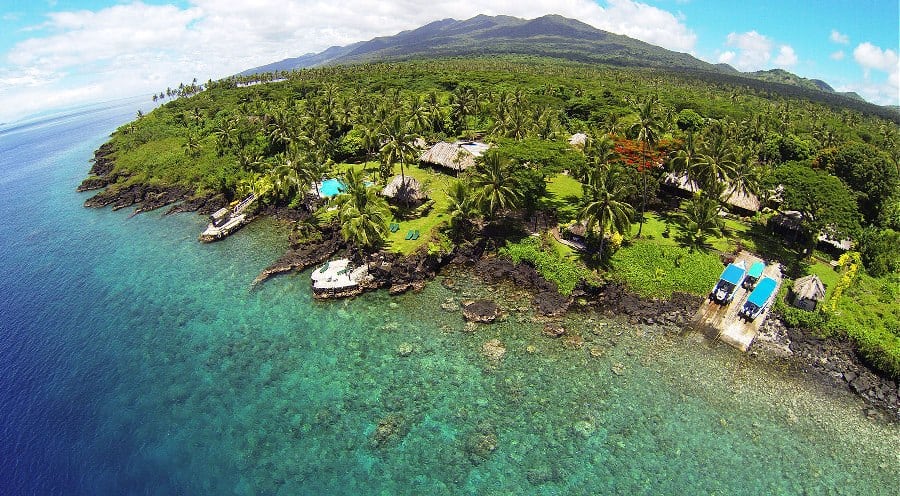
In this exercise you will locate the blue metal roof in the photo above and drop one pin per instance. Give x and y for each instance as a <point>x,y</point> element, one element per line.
<point>756,269</point>
<point>762,292</point>
<point>734,273</point>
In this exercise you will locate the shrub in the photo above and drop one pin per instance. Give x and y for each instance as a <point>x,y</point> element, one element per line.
<point>552,265</point>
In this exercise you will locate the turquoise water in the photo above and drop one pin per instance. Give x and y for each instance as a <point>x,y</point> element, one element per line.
<point>331,187</point>
<point>138,361</point>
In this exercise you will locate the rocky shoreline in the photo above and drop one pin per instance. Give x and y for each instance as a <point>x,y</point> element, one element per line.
<point>119,194</point>
<point>832,363</point>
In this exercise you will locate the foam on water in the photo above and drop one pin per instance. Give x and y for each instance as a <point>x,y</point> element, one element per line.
<point>137,361</point>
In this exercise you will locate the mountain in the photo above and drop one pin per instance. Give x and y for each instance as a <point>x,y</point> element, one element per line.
<point>785,77</point>
<point>551,36</point>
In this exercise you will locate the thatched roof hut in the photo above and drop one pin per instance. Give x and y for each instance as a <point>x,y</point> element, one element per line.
<point>410,191</point>
<point>578,140</point>
<point>457,156</point>
<point>807,292</point>
<point>680,182</point>
<point>744,202</point>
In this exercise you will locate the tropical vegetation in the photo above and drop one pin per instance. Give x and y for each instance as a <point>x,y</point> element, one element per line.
<point>280,135</point>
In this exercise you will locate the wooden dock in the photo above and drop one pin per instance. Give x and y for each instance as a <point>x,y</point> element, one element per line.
<point>224,222</point>
<point>722,321</point>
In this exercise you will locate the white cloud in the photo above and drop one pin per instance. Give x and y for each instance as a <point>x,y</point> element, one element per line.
<point>132,48</point>
<point>838,37</point>
<point>752,51</point>
<point>881,93</point>
<point>786,56</point>
<point>870,56</point>
<point>726,57</point>
<point>838,55</point>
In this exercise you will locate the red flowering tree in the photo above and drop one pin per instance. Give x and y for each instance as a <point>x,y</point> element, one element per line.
<point>635,155</point>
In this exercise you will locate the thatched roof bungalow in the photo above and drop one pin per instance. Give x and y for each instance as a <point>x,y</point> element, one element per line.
<point>409,191</point>
<point>742,202</point>
<point>457,156</point>
<point>807,292</point>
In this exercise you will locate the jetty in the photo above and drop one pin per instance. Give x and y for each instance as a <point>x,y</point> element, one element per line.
<point>724,322</point>
<point>225,221</point>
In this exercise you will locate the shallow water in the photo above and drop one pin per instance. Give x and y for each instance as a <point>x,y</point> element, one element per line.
<point>138,361</point>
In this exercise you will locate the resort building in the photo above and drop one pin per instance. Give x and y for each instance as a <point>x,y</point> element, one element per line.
<point>408,192</point>
<point>807,292</point>
<point>740,202</point>
<point>457,156</point>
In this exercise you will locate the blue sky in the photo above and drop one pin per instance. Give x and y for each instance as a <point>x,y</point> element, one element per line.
<point>57,53</point>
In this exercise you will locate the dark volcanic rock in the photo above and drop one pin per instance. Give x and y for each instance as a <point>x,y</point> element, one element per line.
<point>483,311</point>
<point>101,171</point>
<point>838,364</point>
<point>614,299</point>
<point>146,197</point>
<point>303,256</point>
<point>204,204</point>
<point>546,298</point>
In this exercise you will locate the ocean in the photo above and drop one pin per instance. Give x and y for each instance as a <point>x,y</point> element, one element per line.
<point>135,360</point>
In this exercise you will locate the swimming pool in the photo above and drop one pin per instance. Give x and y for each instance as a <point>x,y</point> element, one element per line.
<point>331,187</point>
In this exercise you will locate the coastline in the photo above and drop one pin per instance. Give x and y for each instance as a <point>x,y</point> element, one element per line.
<point>835,365</point>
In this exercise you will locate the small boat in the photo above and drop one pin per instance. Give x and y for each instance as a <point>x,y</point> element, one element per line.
<point>729,281</point>
<point>754,274</point>
<point>759,299</point>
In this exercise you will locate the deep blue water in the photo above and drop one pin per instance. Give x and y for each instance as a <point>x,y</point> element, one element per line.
<point>134,360</point>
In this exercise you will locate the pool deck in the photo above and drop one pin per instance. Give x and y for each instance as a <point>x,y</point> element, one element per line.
<point>722,321</point>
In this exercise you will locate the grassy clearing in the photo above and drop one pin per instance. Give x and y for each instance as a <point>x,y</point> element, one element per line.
<point>657,270</point>
<point>828,276</point>
<point>563,195</point>
<point>869,313</point>
<point>436,184</point>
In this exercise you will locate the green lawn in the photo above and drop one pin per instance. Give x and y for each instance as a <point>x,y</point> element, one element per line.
<point>436,184</point>
<point>563,194</point>
<point>827,275</point>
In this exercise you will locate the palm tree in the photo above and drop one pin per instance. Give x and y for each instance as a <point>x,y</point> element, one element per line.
<point>398,144</point>
<point>683,162</point>
<point>604,206</point>
<point>494,185</point>
<point>715,164</point>
<point>419,120</point>
<point>699,221</point>
<point>192,146</point>
<point>461,207</point>
<point>462,104</point>
<point>647,129</point>
<point>362,212</point>
<point>599,153</point>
